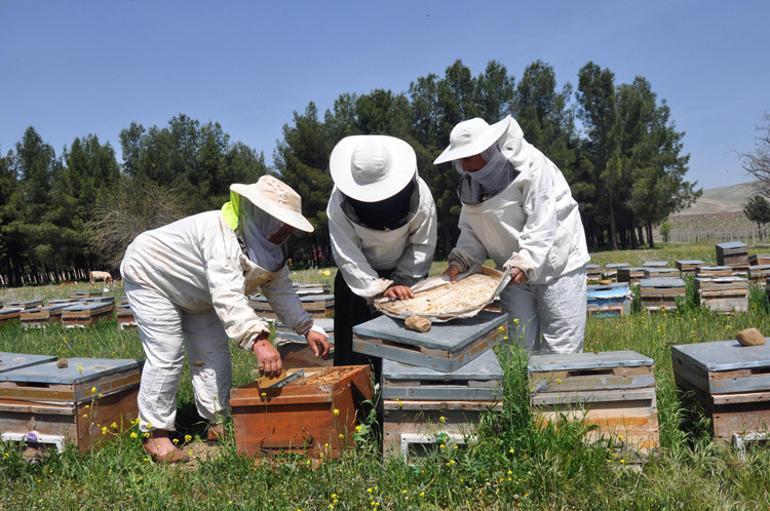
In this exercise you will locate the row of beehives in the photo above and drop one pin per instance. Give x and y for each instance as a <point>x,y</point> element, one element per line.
<point>314,297</point>
<point>435,389</point>
<point>79,310</point>
<point>724,295</point>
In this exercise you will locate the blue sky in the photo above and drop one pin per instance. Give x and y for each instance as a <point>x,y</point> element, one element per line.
<point>77,67</point>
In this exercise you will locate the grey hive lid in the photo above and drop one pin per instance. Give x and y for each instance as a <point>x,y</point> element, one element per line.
<point>689,261</point>
<point>715,268</point>
<point>577,361</point>
<point>655,264</point>
<point>79,370</point>
<point>85,306</point>
<point>11,361</point>
<point>662,282</point>
<point>485,367</point>
<point>452,335</point>
<point>10,310</point>
<point>592,266</point>
<point>731,244</point>
<point>725,355</point>
<point>615,266</point>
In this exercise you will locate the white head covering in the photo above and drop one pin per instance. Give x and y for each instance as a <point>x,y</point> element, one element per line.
<point>371,168</point>
<point>493,177</point>
<point>472,137</point>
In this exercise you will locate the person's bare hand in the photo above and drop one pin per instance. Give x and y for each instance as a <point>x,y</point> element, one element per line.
<point>398,292</point>
<point>518,276</point>
<point>319,343</point>
<point>452,272</point>
<point>268,357</point>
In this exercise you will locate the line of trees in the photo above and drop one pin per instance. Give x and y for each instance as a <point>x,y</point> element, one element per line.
<point>615,143</point>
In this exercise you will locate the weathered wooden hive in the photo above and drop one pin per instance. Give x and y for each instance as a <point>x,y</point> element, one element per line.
<point>652,272</point>
<point>630,275</point>
<point>42,402</point>
<point>446,347</point>
<point>8,314</point>
<point>85,314</point>
<point>25,304</point>
<point>315,415</point>
<point>759,259</point>
<point>593,272</point>
<point>732,253</point>
<point>723,294</point>
<point>42,316</point>
<point>424,408</point>
<point>661,293</point>
<point>688,266</point>
<point>124,316</point>
<point>609,300</point>
<point>613,391</point>
<point>714,271</point>
<point>758,274</point>
<point>731,382</point>
<point>611,270</point>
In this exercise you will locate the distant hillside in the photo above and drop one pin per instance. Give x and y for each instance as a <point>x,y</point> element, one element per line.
<point>721,200</point>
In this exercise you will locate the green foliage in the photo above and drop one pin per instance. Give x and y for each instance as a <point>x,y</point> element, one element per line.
<point>757,209</point>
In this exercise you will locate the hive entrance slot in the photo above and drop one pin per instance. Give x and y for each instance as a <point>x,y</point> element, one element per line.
<point>589,372</point>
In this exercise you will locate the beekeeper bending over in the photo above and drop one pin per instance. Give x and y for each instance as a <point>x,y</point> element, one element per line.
<point>382,225</point>
<point>518,210</point>
<point>187,284</point>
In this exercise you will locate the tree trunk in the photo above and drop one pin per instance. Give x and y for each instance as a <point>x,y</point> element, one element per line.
<point>613,241</point>
<point>649,235</point>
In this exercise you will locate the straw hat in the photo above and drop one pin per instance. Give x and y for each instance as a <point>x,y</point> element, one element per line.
<point>275,198</point>
<point>472,137</point>
<point>371,168</point>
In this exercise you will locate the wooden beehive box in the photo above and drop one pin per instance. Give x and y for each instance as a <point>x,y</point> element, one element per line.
<point>319,306</point>
<point>315,415</point>
<point>77,295</point>
<point>125,316</point>
<point>415,427</point>
<point>759,259</point>
<point>25,304</point>
<point>593,272</point>
<point>614,391</point>
<point>85,314</point>
<point>45,403</point>
<point>295,351</point>
<point>730,381</point>
<point>446,347</point>
<point>723,294</point>
<point>611,270</point>
<point>758,274</point>
<point>689,266</point>
<point>661,293</point>
<point>610,300</point>
<point>309,288</point>
<point>479,380</point>
<point>654,272</point>
<point>714,271</point>
<point>8,314</point>
<point>732,253</point>
<point>630,275</point>
<point>42,316</point>
<point>98,299</point>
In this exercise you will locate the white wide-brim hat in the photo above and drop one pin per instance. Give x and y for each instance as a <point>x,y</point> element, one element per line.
<point>277,199</point>
<point>472,137</point>
<point>371,168</point>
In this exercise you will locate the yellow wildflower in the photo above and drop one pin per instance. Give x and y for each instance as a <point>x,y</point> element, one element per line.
<point>442,419</point>
<point>134,435</point>
<point>358,428</point>
<point>187,438</point>
<point>93,390</point>
<point>369,490</point>
<point>336,412</point>
<point>450,462</point>
<point>175,441</point>
<point>341,436</point>
<point>114,425</point>
<point>104,430</point>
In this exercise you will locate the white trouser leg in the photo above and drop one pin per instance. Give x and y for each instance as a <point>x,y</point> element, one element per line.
<point>160,329</point>
<point>524,327</point>
<point>208,354</point>
<point>561,306</point>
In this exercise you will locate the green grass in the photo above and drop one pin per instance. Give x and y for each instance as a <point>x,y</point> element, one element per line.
<point>513,465</point>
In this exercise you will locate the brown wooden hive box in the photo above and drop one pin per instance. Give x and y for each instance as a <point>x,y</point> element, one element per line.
<point>724,295</point>
<point>730,382</point>
<point>68,405</point>
<point>315,415</point>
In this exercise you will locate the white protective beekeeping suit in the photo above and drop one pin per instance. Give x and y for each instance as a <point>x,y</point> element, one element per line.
<point>187,284</point>
<point>360,251</point>
<point>533,224</point>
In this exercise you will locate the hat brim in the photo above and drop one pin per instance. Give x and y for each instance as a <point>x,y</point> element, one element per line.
<point>489,137</point>
<point>403,160</point>
<point>253,195</point>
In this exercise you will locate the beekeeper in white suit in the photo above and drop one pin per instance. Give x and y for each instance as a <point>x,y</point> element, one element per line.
<point>517,209</point>
<point>382,226</point>
<point>187,284</point>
